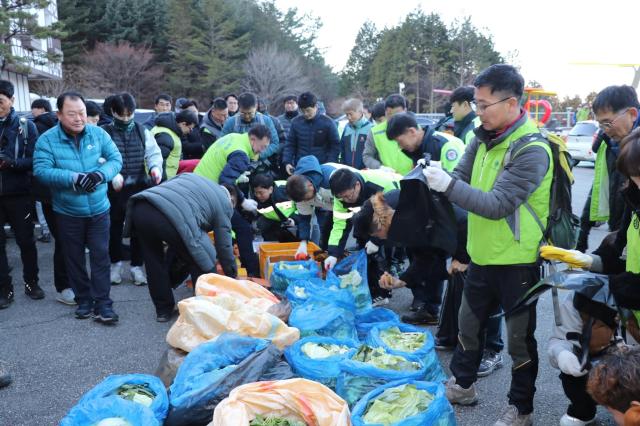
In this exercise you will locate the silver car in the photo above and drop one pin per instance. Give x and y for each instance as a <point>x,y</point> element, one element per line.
<point>580,141</point>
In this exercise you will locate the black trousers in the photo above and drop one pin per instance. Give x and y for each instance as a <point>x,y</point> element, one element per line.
<point>582,406</point>
<point>60,278</point>
<point>244,238</point>
<point>485,290</point>
<point>272,230</point>
<point>118,212</point>
<point>17,211</point>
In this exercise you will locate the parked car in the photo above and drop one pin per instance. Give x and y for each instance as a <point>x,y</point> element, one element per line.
<point>580,140</point>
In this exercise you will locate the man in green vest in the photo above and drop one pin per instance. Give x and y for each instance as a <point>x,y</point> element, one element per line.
<point>381,153</point>
<point>167,131</point>
<point>465,118</point>
<point>503,235</point>
<point>275,208</point>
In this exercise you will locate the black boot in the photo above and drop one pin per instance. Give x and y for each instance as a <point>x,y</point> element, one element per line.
<point>5,378</point>
<point>421,317</point>
<point>33,290</point>
<point>6,296</point>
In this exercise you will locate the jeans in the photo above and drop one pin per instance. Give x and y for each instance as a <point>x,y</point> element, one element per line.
<point>16,209</point>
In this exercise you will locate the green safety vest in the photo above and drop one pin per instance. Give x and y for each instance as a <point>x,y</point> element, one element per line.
<point>388,182</point>
<point>633,251</point>
<point>468,137</point>
<point>286,208</point>
<point>215,159</point>
<point>599,208</point>
<point>389,152</point>
<point>451,151</point>
<point>492,242</point>
<point>173,160</point>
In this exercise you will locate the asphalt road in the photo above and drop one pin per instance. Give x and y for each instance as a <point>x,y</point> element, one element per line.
<point>55,359</point>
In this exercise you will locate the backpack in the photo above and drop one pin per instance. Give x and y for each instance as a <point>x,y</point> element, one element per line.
<point>562,225</point>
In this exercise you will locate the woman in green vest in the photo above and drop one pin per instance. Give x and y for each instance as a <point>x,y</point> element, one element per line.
<point>168,130</point>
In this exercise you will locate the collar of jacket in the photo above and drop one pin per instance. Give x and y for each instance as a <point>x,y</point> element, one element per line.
<point>70,138</point>
<point>493,138</point>
<point>360,123</point>
<point>631,194</point>
<point>459,126</point>
<point>424,145</point>
<point>291,114</point>
<point>9,118</point>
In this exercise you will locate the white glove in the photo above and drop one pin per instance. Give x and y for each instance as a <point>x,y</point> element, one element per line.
<point>117,182</point>
<point>249,205</point>
<point>243,178</point>
<point>330,262</point>
<point>156,175</point>
<point>301,253</point>
<point>371,248</point>
<point>584,260</point>
<point>289,223</point>
<point>423,163</point>
<point>437,179</point>
<point>387,169</point>
<point>569,364</point>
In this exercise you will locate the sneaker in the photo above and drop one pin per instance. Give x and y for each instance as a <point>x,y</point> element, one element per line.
<point>490,361</point>
<point>67,297</point>
<point>6,296</point>
<point>456,394</point>
<point>567,420</point>
<point>5,378</point>
<point>84,310</point>
<point>45,237</point>
<point>421,317</point>
<point>105,315</point>
<point>416,305</point>
<point>116,273</point>
<point>33,290</point>
<point>166,316</point>
<point>138,276</point>
<point>511,417</point>
<point>380,301</point>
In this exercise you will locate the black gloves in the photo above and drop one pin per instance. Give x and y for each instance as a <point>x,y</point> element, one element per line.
<point>88,181</point>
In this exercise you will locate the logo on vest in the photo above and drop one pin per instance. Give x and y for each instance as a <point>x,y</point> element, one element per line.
<point>452,155</point>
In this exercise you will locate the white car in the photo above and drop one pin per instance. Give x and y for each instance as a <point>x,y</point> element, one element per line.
<point>580,140</point>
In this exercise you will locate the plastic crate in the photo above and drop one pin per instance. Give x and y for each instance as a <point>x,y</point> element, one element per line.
<point>270,253</point>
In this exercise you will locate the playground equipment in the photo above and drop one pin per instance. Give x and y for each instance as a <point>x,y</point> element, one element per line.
<point>534,103</point>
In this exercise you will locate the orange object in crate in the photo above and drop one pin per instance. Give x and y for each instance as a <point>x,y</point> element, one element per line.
<point>270,253</point>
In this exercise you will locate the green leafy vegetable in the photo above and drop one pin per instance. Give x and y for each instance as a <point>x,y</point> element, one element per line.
<point>323,350</point>
<point>142,394</point>
<point>274,421</point>
<point>352,279</point>
<point>405,342</point>
<point>300,292</point>
<point>290,267</point>
<point>379,358</point>
<point>396,404</point>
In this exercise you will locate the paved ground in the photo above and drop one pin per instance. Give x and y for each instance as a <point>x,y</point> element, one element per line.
<point>55,358</point>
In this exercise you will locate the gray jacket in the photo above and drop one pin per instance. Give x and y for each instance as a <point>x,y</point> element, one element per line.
<point>195,206</point>
<point>370,155</point>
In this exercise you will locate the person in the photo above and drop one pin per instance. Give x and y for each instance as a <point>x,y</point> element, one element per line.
<point>139,152</point>
<point>290,112</point>
<point>617,107</point>
<point>377,113</point>
<point>5,377</point>
<point>232,104</point>
<point>465,119</point>
<point>262,109</point>
<point>43,117</point>
<point>503,235</point>
<point>380,152</point>
<point>165,214</point>
<point>354,135</point>
<point>161,104</point>
<point>192,148</point>
<point>366,111</point>
<point>168,132</point>
<point>76,161</point>
<point>17,141</point>
<point>583,113</point>
<point>94,114</point>
<point>311,133</point>
<point>226,161</point>
<point>211,127</point>
<point>275,208</point>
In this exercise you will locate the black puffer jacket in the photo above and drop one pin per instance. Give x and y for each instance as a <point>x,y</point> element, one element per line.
<point>14,145</point>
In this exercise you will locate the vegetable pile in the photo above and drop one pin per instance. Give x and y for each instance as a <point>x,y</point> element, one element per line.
<point>142,394</point>
<point>405,342</point>
<point>397,404</point>
<point>352,279</point>
<point>274,421</point>
<point>323,350</point>
<point>379,358</point>
<point>290,267</point>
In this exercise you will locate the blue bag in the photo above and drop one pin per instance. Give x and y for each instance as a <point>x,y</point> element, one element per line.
<point>282,275</point>
<point>358,378</point>
<point>300,291</point>
<point>105,389</point>
<point>355,262</point>
<point>318,317</point>
<point>439,412</point>
<point>426,353</point>
<point>322,370</point>
<point>376,317</point>
<point>96,410</point>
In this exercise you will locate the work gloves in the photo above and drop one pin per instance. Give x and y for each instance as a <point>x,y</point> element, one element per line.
<point>88,182</point>
<point>301,253</point>
<point>437,179</point>
<point>330,262</point>
<point>569,364</point>
<point>573,258</point>
<point>249,205</point>
<point>371,248</point>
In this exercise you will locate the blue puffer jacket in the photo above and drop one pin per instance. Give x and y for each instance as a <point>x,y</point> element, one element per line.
<point>58,159</point>
<point>317,137</point>
<point>352,143</point>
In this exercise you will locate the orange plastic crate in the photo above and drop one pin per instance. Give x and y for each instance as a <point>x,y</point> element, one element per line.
<point>270,253</point>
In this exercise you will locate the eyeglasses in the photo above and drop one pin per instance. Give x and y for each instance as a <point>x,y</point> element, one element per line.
<point>609,124</point>
<point>482,108</point>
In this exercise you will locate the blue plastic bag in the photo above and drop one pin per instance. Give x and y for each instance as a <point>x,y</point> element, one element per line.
<point>439,412</point>
<point>376,317</point>
<point>318,317</point>
<point>322,370</point>
<point>105,389</point>
<point>358,378</point>
<point>426,353</point>
<point>96,410</point>
<point>356,262</point>
<point>282,275</point>
<point>300,291</point>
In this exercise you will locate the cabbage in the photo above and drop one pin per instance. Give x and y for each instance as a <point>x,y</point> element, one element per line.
<point>274,421</point>
<point>300,292</point>
<point>396,404</point>
<point>142,394</point>
<point>404,342</point>
<point>379,358</point>
<point>352,279</point>
<point>323,350</point>
<point>113,421</point>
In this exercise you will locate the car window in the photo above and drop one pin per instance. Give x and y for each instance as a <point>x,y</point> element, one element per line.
<point>583,129</point>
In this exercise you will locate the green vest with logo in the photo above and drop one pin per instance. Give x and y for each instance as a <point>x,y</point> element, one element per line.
<point>173,160</point>
<point>633,251</point>
<point>215,159</point>
<point>451,151</point>
<point>389,152</point>
<point>286,208</point>
<point>468,137</point>
<point>490,241</point>
<point>599,208</point>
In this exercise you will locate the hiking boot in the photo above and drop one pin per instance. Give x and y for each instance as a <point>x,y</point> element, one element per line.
<point>511,417</point>
<point>416,305</point>
<point>33,290</point>
<point>67,297</point>
<point>380,301</point>
<point>84,310</point>
<point>490,361</point>
<point>6,296</point>
<point>138,276</point>
<point>421,317</point>
<point>5,378</point>
<point>567,420</point>
<point>456,394</point>
<point>105,315</point>
<point>116,273</point>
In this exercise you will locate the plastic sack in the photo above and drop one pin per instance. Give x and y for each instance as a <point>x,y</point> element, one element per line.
<point>426,353</point>
<point>439,412</point>
<point>286,272</point>
<point>322,318</point>
<point>299,399</point>
<point>300,291</point>
<point>321,370</point>
<point>94,411</point>
<point>282,310</point>
<point>169,363</point>
<point>351,273</point>
<point>214,369</point>
<point>248,292</point>
<point>205,318</point>
<point>376,317</point>
<point>105,389</point>
<point>358,378</point>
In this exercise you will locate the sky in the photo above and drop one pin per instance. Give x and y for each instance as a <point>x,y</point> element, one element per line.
<point>548,35</point>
